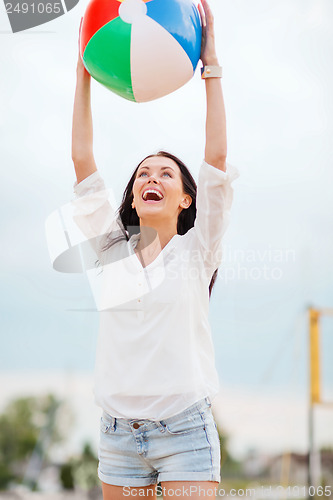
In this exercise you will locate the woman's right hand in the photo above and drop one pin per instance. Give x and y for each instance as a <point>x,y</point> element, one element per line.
<point>80,66</point>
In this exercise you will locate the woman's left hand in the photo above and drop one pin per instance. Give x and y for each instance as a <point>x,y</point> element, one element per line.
<point>208,52</point>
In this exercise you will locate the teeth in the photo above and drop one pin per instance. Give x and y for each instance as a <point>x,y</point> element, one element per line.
<point>152,191</point>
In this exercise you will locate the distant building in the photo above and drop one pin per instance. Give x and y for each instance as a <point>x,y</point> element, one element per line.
<point>327,466</point>
<point>294,467</point>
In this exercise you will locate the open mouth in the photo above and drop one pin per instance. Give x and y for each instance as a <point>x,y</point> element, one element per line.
<point>152,196</point>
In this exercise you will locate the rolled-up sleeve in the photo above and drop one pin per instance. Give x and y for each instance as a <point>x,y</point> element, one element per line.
<point>93,207</point>
<point>214,201</point>
<point>76,232</point>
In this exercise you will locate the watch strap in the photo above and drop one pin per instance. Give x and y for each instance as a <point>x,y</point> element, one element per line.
<point>211,72</point>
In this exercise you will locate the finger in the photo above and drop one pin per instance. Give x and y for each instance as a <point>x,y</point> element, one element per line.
<point>208,12</point>
<point>202,14</point>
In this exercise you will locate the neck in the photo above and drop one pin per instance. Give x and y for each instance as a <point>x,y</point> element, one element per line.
<point>155,234</point>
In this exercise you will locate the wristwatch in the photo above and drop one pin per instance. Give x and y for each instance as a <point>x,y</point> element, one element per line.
<point>211,72</point>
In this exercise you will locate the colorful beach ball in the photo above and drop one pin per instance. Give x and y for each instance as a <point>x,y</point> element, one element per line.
<point>141,50</point>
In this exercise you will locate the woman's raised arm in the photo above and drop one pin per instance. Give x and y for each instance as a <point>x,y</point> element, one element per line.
<point>216,135</point>
<point>82,129</point>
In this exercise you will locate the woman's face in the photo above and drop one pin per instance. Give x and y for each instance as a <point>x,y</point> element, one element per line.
<point>158,189</point>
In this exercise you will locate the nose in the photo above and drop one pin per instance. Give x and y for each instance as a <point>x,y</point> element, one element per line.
<point>152,178</point>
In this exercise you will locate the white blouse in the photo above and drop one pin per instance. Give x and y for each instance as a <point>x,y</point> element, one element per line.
<point>155,354</point>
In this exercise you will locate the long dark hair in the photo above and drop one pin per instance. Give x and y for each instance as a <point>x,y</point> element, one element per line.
<point>130,219</point>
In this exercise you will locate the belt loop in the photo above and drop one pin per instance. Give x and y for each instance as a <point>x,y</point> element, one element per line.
<point>161,425</point>
<point>208,401</point>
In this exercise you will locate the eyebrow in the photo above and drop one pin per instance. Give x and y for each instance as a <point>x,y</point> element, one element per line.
<point>162,168</point>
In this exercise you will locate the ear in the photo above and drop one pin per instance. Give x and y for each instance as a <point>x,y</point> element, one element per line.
<point>186,202</point>
<point>133,206</point>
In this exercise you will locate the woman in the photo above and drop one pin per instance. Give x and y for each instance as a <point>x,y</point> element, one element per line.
<point>155,374</point>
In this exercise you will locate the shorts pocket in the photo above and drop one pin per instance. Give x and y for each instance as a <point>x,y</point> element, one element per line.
<point>184,424</point>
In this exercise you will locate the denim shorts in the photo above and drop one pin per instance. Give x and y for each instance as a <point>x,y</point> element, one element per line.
<point>184,447</point>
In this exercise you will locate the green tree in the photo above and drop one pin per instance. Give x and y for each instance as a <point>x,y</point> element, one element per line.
<point>27,427</point>
<point>230,467</point>
<point>81,471</point>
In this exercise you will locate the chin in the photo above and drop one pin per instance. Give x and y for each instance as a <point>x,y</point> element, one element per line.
<point>151,210</point>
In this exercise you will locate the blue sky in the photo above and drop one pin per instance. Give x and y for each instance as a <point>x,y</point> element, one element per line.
<point>276,58</point>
